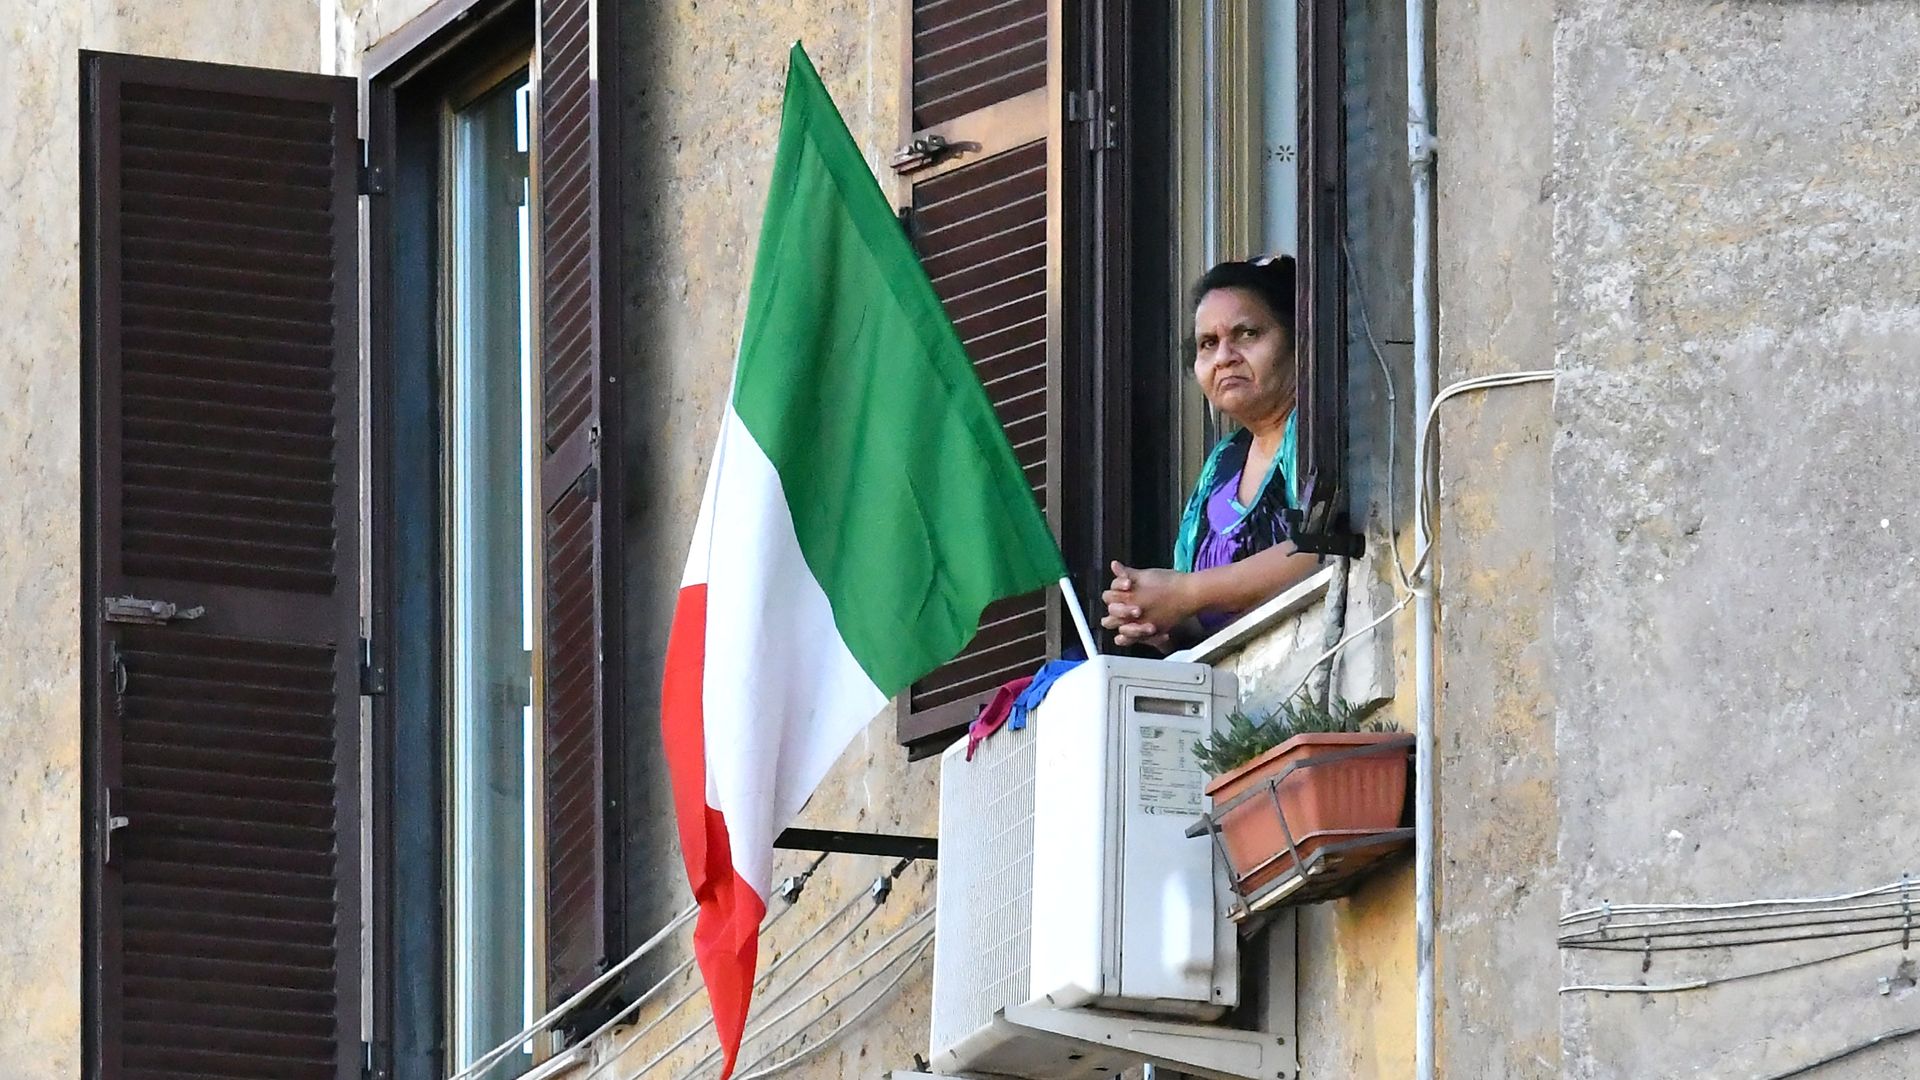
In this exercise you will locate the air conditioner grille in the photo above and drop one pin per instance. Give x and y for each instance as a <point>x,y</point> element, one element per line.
<point>986,872</point>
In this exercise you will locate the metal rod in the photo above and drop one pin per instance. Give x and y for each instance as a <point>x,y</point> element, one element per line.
<point>1079,618</point>
<point>859,843</point>
<point>1420,167</point>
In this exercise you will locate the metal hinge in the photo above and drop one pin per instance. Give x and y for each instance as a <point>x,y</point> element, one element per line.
<point>1090,107</point>
<point>372,179</point>
<point>373,677</point>
<point>117,668</point>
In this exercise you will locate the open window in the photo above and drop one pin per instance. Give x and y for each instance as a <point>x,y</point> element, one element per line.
<point>1067,168</point>
<point>1259,144</point>
<point>347,612</point>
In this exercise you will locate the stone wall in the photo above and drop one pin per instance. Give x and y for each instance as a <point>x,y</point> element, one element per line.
<point>1497,972</point>
<point>1734,481</point>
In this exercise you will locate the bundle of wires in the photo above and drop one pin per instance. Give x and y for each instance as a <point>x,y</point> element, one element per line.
<point>1889,912</point>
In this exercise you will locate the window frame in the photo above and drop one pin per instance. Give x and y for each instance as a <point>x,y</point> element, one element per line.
<point>409,83</point>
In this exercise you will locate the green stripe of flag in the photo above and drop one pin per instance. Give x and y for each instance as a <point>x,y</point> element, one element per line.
<point>910,507</point>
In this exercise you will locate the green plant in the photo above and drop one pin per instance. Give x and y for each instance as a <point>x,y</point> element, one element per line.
<point>1247,737</point>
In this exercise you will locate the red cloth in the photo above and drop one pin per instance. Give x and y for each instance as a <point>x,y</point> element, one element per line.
<point>994,716</point>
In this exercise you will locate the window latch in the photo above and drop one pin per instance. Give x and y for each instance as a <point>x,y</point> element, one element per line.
<point>925,152</point>
<point>138,612</point>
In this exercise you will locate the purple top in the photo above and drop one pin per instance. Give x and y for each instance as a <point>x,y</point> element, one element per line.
<point>1226,541</point>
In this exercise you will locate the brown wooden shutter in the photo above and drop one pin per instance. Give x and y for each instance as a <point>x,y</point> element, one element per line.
<point>978,73</point>
<point>221,366</point>
<point>575,560</point>
<point>1321,343</point>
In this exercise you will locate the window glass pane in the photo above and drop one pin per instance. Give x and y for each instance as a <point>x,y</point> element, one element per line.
<point>489,463</point>
<point>1280,146</point>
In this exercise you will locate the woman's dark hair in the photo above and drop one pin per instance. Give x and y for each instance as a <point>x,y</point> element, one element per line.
<point>1270,277</point>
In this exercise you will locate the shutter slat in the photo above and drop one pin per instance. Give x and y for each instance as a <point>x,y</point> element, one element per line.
<point>222,262</point>
<point>967,56</point>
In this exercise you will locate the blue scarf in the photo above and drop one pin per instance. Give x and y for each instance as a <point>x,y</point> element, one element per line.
<point>1228,456</point>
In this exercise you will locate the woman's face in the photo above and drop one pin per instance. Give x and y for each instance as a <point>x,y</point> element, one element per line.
<point>1243,357</point>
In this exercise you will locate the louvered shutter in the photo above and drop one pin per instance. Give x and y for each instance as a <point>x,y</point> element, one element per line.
<point>978,76</point>
<point>1321,342</point>
<point>572,495</point>
<point>222,417</point>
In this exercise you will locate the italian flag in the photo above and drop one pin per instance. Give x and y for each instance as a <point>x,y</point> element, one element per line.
<point>862,507</point>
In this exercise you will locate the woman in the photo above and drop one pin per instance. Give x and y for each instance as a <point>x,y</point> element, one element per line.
<point>1232,551</point>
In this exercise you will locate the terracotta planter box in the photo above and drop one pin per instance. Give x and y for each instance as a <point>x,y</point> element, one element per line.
<point>1354,797</point>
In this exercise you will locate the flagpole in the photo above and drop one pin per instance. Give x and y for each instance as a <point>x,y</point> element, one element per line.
<point>1079,618</point>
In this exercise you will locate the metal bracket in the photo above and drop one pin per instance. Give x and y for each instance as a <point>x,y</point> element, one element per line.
<point>110,823</point>
<point>373,677</point>
<point>372,180</point>
<point>1906,913</point>
<point>1217,1053</point>
<point>1422,143</point>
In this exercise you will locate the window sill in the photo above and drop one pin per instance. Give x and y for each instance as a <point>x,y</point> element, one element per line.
<point>1232,636</point>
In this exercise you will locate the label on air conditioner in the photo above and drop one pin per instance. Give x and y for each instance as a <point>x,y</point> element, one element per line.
<point>1171,781</point>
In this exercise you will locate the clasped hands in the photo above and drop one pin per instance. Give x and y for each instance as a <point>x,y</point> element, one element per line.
<point>1145,605</point>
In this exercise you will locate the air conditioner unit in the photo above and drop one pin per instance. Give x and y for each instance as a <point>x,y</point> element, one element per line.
<point>1079,930</point>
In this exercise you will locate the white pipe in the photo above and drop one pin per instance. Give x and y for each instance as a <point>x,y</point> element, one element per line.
<point>1420,164</point>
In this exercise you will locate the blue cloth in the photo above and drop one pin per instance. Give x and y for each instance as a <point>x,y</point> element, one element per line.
<point>1036,691</point>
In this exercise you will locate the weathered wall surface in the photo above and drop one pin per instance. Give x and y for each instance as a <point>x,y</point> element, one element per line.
<point>1497,969</point>
<point>699,109</point>
<point>40,777</point>
<point>1354,957</point>
<point>1734,484</point>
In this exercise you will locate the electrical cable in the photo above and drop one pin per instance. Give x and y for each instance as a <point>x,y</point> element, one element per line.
<point>714,1055</point>
<point>1423,455</point>
<point>694,991</point>
<point>633,1006</point>
<point>884,994</point>
<point>1414,583</point>
<point>1348,640</point>
<point>1629,946</point>
<point>486,1060</point>
<point>1386,373</point>
<point>1611,935</point>
<point>760,983</point>
<point>1701,984</point>
<point>776,995</point>
<point>1903,905</point>
<point>1904,885</point>
<point>1865,1044</point>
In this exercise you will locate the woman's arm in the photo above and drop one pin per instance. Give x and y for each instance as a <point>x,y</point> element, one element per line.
<point>1145,603</point>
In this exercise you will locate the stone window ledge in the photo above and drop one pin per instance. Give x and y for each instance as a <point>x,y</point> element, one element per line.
<point>1231,637</point>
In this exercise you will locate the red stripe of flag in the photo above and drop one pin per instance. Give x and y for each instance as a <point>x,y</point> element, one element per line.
<point>726,939</point>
